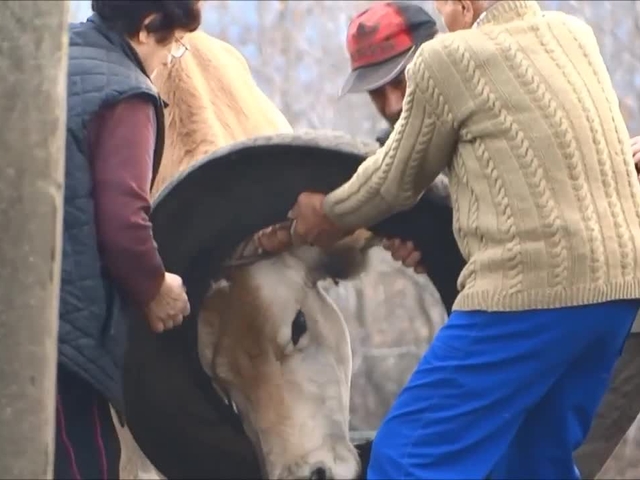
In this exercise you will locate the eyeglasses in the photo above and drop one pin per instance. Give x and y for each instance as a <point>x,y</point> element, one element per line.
<point>178,49</point>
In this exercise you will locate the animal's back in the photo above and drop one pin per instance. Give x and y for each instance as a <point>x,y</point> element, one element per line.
<point>213,101</point>
<point>244,106</point>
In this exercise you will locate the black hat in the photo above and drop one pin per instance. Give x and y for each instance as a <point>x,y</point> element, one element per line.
<point>382,40</point>
<point>178,420</point>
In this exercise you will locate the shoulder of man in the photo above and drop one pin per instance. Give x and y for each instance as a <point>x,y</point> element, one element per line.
<point>575,24</point>
<point>436,57</point>
<point>434,52</point>
<point>431,70</point>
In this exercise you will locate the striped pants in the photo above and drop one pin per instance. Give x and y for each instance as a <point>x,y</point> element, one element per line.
<point>87,444</point>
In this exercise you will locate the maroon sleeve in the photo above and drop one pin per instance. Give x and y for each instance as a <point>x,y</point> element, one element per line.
<point>121,143</point>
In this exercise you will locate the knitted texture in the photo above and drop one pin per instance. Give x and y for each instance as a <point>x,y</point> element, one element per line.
<point>521,114</point>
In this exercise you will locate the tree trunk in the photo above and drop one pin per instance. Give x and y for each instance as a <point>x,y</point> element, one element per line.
<point>33,62</point>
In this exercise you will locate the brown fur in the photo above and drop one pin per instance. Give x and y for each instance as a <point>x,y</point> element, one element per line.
<point>347,258</point>
<point>213,101</point>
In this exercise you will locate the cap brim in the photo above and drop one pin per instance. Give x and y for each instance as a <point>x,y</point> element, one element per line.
<point>365,79</point>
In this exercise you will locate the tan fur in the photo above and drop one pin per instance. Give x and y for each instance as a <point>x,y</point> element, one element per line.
<point>213,101</point>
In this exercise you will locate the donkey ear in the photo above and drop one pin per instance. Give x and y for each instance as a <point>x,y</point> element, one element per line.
<point>347,258</point>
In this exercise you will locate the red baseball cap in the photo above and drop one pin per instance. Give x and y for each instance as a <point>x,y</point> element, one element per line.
<point>382,40</point>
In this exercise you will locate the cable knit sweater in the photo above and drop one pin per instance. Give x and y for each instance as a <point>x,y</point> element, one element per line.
<point>521,114</point>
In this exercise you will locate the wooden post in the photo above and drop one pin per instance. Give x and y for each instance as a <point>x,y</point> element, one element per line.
<point>33,62</point>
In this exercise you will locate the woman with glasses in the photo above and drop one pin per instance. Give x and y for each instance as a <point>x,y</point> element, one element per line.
<point>110,262</point>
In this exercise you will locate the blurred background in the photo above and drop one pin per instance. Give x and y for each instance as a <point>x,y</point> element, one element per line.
<point>297,54</point>
<point>297,47</point>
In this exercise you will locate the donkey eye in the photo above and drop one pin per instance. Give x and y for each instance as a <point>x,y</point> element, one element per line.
<point>298,327</point>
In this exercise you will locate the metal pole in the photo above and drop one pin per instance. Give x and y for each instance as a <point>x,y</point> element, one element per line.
<point>33,66</point>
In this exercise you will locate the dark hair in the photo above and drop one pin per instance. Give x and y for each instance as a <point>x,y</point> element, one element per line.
<point>127,16</point>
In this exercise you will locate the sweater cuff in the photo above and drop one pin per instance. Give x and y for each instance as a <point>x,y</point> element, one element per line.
<point>148,284</point>
<point>351,214</point>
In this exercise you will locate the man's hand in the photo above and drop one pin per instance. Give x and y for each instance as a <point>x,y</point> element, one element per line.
<point>404,252</point>
<point>311,224</point>
<point>635,151</point>
<point>275,239</point>
<point>170,306</point>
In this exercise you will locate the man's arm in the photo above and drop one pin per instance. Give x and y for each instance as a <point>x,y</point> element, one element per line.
<point>122,140</point>
<point>393,179</point>
<point>438,190</point>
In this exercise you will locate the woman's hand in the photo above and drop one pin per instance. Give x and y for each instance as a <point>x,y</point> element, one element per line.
<point>170,306</point>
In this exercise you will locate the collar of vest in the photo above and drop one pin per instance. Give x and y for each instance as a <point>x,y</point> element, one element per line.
<point>118,40</point>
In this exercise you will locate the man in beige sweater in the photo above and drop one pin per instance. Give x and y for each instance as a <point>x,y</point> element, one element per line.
<point>517,108</point>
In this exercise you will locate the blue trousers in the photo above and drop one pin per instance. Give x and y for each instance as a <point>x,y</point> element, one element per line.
<point>503,395</point>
